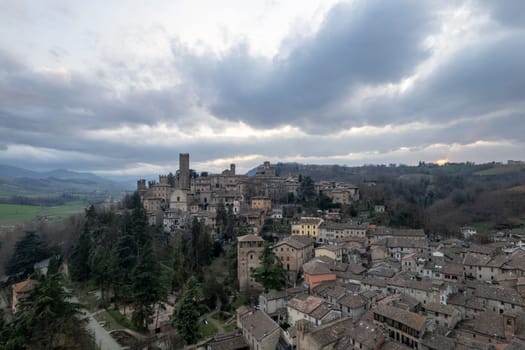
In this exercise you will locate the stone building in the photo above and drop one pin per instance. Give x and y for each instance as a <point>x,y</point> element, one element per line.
<point>249,249</point>
<point>293,252</point>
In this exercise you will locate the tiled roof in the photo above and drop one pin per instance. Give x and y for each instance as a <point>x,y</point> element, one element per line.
<point>259,324</point>
<point>297,242</point>
<point>316,268</point>
<point>407,318</point>
<point>507,295</point>
<point>249,238</point>
<point>305,303</point>
<point>352,301</point>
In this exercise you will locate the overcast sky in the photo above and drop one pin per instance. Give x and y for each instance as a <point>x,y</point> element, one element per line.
<point>121,87</point>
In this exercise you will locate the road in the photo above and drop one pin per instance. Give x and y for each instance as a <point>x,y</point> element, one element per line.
<point>103,339</point>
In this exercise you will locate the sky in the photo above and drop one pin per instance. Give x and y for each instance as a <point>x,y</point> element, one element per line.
<point>121,87</point>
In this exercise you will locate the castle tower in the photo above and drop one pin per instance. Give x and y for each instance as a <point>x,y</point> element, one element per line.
<point>249,249</point>
<point>141,187</point>
<point>184,171</point>
<point>232,169</point>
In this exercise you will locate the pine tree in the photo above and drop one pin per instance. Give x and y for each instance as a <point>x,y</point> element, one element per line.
<point>47,320</point>
<point>80,270</point>
<point>146,288</point>
<point>28,251</point>
<point>186,314</point>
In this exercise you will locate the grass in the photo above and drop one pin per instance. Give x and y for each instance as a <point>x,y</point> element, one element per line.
<point>207,330</point>
<point>111,323</point>
<point>482,227</point>
<point>18,213</point>
<point>230,327</point>
<point>121,320</point>
<point>501,169</point>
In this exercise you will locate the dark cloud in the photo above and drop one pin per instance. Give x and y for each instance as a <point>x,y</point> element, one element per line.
<point>368,42</point>
<point>475,94</point>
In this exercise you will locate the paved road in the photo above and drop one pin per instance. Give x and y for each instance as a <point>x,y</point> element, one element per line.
<point>103,339</point>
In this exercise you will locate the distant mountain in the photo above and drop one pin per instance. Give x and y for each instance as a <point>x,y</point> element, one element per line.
<point>7,171</point>
<point>19,182</point>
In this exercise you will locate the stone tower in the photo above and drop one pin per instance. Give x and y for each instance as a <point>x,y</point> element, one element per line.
<point>184,171</point>
<point>249,249</point>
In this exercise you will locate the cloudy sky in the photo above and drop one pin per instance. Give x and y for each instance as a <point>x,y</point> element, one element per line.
<point>121,87</point>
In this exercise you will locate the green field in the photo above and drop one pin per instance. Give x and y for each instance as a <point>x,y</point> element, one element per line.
<point>501,169</point>
<point>17,213</point>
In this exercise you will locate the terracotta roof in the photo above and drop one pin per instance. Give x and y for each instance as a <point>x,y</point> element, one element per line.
<point>228,341</point>
<point>441,308</point>
<point>407,318</point>
<point>352,301</point>
<point>259,324</point>
<point>305,303</point>
<point>316,268</point>
<point>24,286</point>
<point>507,295</point>
<point>250,237</point>
<point>297,242</point>
<point>338,333</point>
<point>322,310</point>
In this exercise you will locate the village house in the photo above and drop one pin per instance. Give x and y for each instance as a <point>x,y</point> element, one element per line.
<point>403,326</point>
<point>21,291</point>
<point>293,252</point>
<point>311,308</point>
<point>331,251</point>
<point>343,333</point>
<point>307,226</point>
<point>258,329</point>
<point>352,305</point>
<point>330,232</point>
<point>316,272</point>
<point>274,302</point>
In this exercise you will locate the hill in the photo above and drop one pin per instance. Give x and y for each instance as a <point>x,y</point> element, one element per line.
<point>56,187</point>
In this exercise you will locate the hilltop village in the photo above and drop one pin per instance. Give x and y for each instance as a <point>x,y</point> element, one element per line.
<point>349,283</point>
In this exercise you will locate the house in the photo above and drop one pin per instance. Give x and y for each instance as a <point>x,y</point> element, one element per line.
<point>307,226</point>
<point>329,292</point>
<point>258,329</point>
<point>274,302</point>
<point>228,341</point>
<point>352,305</point>
<point>21,292</point>
<point>403,326</point>
<point>330,232</point>
<point>444,315</point>
<point>495,329</point>
<point>333,252</point>
<point>343,333</point>
<point>293,252</point>
<point>312,309</point>
<point>316,272</point>
<point>262,203</point>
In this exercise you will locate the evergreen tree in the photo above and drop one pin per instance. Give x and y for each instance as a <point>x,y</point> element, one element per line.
<point>146,288</point>
<point>125,253</point>
<point>47,320</point>
<point>28,251</point>
<point>79,265</point>
<point>101,264</point>
<point>270,274</point>
<point>186,314</point>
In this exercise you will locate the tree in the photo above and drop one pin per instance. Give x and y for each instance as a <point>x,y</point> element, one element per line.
<point>270,274</point>
<point>79,265</point>
<point>47,320</point>
<point>28,251</point>
<point>186,314</point>
<point>146,288</point>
